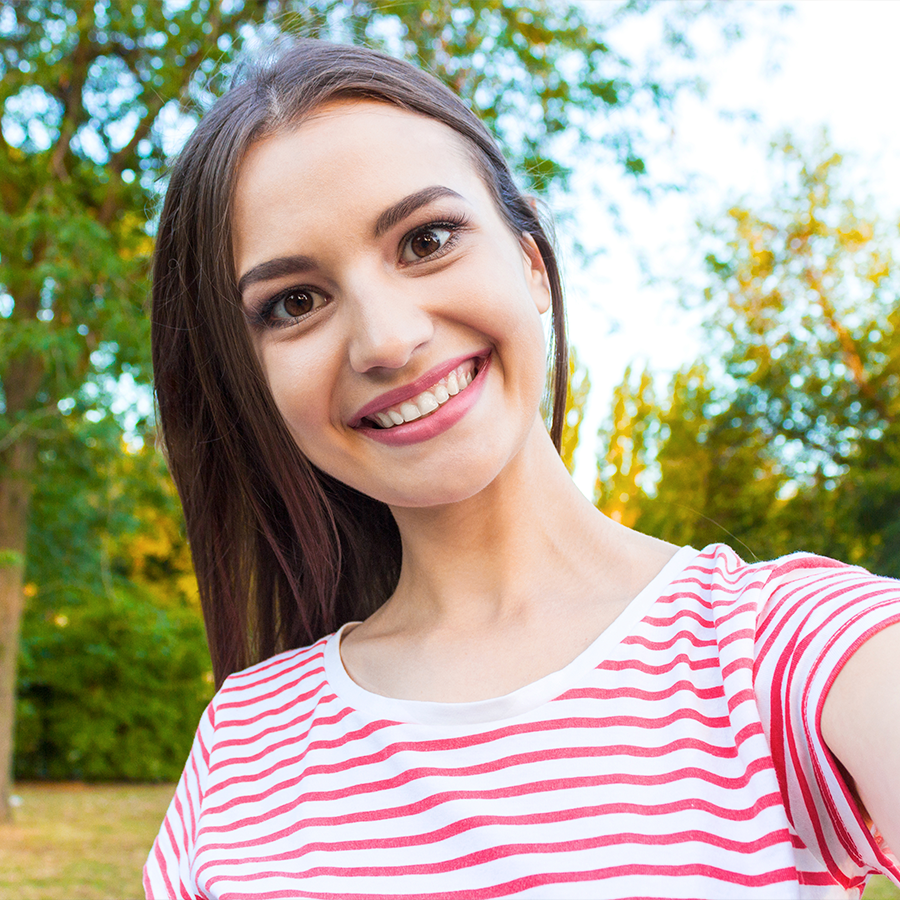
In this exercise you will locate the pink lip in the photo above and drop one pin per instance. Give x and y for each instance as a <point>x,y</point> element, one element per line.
<point>413,389</point>
<point>437,422</point>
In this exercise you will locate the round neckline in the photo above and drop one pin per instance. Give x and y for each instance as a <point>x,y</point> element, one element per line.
<point>507,706</point>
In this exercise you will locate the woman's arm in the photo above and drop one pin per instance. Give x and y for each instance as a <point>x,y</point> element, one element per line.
<point>861,726</point>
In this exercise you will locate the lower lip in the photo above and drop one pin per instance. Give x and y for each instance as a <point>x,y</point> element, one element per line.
<point>438,422</point>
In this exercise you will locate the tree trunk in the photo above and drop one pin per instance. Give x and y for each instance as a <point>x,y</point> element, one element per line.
<point>16,467</point>
<point>20,382</point>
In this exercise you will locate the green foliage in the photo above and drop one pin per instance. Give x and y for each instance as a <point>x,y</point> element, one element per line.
<point>9,558</point>
<point>95,97</point>
<point>105,511</point>
<point>533,64</point>
<point>110,689</point>
<point>716,481</point>
<point>621,473</point>
<point>789,441</point>
<point>577,390</point>
<point>114,669</point>
<point>803,298</point>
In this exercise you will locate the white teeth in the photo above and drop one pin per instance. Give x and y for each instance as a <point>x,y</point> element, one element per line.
<point>428,401</point>
<point>410,412</point>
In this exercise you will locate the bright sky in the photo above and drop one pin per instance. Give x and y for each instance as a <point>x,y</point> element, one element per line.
<point>832,63</point>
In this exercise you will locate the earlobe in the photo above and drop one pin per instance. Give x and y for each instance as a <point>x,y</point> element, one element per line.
<point>536,272</point>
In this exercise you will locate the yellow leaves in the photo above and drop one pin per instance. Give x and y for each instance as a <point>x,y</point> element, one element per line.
<point>157,557</point>
<point>762,263</point>
<point>145,545</point>
<point>619,490</point>
<point>853,234</point>
<point>140,249</point>
<point>187,585</point>
<point>134,242</point>
<point>576,399</point>
<point>878,269</point>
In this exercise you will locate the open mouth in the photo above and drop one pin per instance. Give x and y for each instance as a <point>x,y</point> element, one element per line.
<point>429,401</point>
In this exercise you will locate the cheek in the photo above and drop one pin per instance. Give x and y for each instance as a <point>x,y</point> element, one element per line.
<point>516,326</point>
<point>300,386</point>
<point>505,313</point>
<point>496,298</point>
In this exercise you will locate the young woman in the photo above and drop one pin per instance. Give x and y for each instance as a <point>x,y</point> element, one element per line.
<point>443,673</point>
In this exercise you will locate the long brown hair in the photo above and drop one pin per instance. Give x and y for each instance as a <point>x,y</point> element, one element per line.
<point>283,553</point>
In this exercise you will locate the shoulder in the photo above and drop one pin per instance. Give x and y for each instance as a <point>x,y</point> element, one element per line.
<point>815,593</point>
<point>785,600</point>
<point>299,672</point>
<point>804,573</point>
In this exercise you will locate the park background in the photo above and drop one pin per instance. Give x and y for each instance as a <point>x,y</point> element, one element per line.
<point>724,181</point>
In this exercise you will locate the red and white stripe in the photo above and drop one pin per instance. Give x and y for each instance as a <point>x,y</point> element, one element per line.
<point>679,756</point>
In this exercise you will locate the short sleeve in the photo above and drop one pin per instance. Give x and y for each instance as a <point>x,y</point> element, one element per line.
<point>167,872</point>
<point>813,615</point>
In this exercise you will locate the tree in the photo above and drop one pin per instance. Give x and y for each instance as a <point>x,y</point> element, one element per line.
<point>787,437</point>
<point>577,390</point>
<point>85,89</point>
<point>114,670</point>
<point>94,95</point>
<point>715,479</point>
<point>803,296</point>
<point>622,470</point>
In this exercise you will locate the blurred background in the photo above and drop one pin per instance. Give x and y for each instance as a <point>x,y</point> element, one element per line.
<point>724,181</point>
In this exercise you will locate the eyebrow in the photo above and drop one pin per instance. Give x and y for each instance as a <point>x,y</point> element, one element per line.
<point>294,265</point>
<point>408,205</point>
<point>275,268</point>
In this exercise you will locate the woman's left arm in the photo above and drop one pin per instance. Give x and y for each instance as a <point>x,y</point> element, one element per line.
<point>861,726</point>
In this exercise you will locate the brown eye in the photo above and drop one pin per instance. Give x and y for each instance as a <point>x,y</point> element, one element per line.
<point>425,242</point>
<point>296,302</point>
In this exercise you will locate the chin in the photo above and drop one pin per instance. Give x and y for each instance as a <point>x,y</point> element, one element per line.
<point>455,482</point>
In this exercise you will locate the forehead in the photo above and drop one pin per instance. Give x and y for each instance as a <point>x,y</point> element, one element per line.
<point>354,122</point>
<point>348,154</point>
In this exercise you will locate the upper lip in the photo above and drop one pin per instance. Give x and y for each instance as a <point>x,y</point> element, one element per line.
<point>414,388</point>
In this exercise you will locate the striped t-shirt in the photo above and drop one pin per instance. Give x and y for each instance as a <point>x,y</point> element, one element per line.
<point>679,756</point>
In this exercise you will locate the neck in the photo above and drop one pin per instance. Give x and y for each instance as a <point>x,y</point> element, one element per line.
<point>496,553</point>
<point>502,588</point>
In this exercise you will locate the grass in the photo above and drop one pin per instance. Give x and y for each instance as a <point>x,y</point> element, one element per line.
<point>89,842</point>
<point>80,842</point>
<point>881,888</point>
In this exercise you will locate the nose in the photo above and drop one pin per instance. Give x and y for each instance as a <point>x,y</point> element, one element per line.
<point>389,326</point>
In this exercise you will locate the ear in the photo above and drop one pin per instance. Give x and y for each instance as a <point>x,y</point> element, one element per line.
<point>535,272</point>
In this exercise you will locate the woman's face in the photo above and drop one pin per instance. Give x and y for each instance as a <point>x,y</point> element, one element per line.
<point>396,317</point>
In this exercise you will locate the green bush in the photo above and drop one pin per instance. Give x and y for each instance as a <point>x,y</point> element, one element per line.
<point>110,688</point>
<point>113,668</point>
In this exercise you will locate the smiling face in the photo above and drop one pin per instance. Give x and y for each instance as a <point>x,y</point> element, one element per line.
<point>395,315</point>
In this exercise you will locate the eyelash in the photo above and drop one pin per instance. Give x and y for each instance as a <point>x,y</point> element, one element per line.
<point>453,224</point>
<point>262,317</point>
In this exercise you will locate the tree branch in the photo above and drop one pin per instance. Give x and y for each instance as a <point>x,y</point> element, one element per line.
<point>71,93</point>
<point>118,160</point>
<point>850,352</point>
